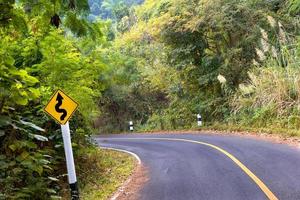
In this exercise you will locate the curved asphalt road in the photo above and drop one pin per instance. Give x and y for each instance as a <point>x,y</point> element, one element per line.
<point>182,170</point>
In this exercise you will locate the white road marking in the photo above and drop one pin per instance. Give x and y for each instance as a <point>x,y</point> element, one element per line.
<point>122,188</point>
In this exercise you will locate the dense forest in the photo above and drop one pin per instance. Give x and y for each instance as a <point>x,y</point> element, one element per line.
<point>234,62</point>
<point>157,63</point>
<point>111,9</point>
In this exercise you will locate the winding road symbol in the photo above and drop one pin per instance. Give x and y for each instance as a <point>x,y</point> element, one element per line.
<point>59,100</point>
<point>61,107</point>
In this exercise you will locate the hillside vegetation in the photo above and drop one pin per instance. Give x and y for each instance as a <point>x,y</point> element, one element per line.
<point>234,62</point>
<point>155,62</point>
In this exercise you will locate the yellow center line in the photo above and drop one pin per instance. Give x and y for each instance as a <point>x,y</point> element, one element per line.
<point>259,182</point>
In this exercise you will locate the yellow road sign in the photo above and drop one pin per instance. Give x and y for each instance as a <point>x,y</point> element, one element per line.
<point>61,107</point>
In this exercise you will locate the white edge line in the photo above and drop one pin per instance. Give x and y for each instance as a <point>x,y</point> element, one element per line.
<point>121,189</point>
<point>124,151</point>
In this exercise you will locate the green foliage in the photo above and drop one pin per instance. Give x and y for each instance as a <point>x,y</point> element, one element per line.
<point>21,157</point>
<point>66,67</point>
<point>189,46</point>
<point>16,84</point>
<point>294,7</point>
<point>127,96</point>
<point>7,14</point>
<point>36,59</point>
<point>109,9</point>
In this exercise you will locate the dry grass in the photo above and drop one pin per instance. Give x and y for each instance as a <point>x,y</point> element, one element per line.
<point>271,98</point>
<point>101,173</point>
<point>273,86</point>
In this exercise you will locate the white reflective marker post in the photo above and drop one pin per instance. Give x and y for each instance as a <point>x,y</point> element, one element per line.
<point>131,126</point>
<point>70,161</point>
<point>199,120</point>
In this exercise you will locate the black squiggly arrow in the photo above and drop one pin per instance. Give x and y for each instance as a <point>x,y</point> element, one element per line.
<point>59,99</point>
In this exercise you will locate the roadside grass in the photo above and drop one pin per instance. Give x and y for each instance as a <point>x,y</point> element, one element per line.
<point>272,130</point>
<point>232,127</point>
<point>101,173</point>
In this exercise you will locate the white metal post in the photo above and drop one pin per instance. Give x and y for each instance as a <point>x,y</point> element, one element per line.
<point>70,161</point>
<point>199,120</point>
<point>131,126</point>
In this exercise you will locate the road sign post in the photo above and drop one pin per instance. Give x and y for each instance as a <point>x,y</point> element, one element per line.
<point>61,107</point>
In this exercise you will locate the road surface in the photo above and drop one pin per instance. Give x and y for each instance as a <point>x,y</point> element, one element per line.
<point>212,167</point>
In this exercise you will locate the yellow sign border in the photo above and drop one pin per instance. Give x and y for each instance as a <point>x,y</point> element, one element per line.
<point>59,90</point>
